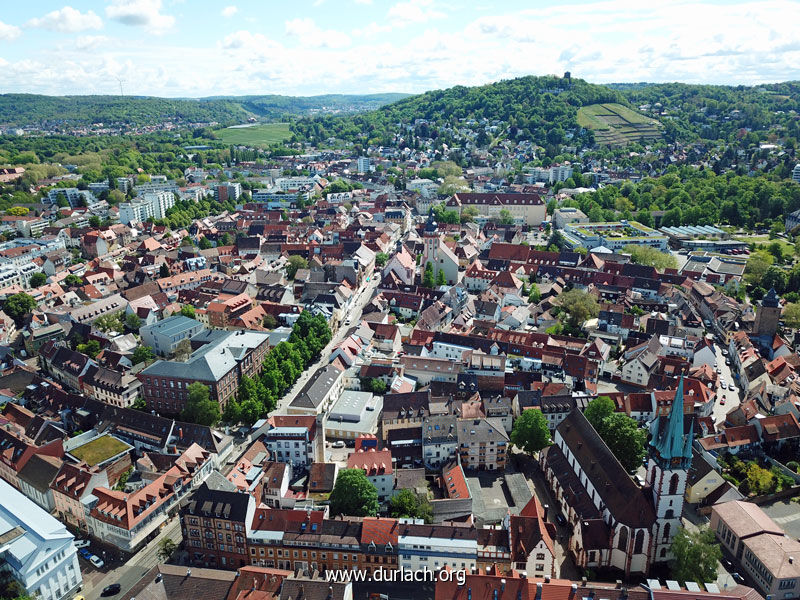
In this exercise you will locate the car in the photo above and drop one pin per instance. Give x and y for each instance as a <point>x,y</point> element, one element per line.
<point>96,561</point>
<point>722,401</point>
<point>82,543</point>
<point>719,369</point>
<point>85,553</point>
<point>339,444</point>
<point>111,590</point>
<point>724,352</point>
<point>723,385</point>
<point>737,577</point>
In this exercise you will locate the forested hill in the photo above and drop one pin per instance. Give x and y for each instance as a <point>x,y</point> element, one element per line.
<point>531,107</point>
<point>23,110</point>
<point>541,109</point>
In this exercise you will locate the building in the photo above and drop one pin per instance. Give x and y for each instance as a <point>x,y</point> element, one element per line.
<point>151,205</point>
<point>377,465</point>
<point>36,550</point>
<point>214,520</point>
<point>36,477</point>
<point>165,335</point>
<point>72,484</point>
<point>220,362</point>
<point>295,439</point>
<point>568,214</point>
<point>227,191</point>
<point>482,444</point>
<point>362,164</point>
<point>436,546</point>
<point>768,314</point>
<point>111,387</point>
<point>619,526</point>
<point>354,414</point>
<point>796,173</point>
<point>614,236</point>
<point>525,209</point>
<point>768,557</point>
<point>319,393</point>
<point>438,254</point>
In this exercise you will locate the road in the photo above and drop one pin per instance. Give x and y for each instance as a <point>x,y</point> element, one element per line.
<point>730,396</point>
<point>128,574</point>
<point>364,296</point>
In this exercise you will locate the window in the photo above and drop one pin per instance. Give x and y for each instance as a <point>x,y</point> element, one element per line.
<point>622,544</point>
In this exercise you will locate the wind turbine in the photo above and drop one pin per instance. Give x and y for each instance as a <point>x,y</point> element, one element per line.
<point>121,81</point>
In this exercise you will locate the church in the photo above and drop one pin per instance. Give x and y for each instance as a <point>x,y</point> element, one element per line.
<point>615,523</point>
<point>436,252</point>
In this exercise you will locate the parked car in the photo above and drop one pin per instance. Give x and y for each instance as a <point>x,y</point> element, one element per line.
<point>82,543</point>
<point>339,444</point>
<point>722,401</point>
<point>96,561</point>
<point>85,553</point>
<point>111,590</point>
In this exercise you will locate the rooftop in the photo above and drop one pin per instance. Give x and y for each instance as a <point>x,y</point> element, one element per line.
<point>100,450</point>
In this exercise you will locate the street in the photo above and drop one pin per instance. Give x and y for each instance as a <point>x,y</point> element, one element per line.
<point>364,296</point>
<point>730,395</point>
<point>132,571</point>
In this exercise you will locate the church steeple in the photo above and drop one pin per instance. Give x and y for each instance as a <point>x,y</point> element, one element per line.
<point>672,448</point>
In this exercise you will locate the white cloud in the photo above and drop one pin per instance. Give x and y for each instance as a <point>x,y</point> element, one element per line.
<point>310,34</point>
<point>9,32</point>
<point>140,13</point>
<point>67,20</point>
<point>229,11</point>
<point>89,42</point>
<point>413,11</point>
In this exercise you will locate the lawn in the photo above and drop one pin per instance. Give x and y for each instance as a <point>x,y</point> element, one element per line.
<point>99,449</point>
<point>257,135</point>
<point>788,248</point>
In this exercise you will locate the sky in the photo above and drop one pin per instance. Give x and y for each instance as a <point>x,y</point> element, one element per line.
<point>194,48</point>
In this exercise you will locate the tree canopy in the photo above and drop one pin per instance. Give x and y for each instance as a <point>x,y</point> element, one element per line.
<point>696,555</point>
<point>530,432</point>
<point>354,495</point>
<point>200,408</point>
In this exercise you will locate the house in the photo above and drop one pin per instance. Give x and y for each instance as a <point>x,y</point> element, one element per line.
<point>703,479</point>
<point>36,477</point>
<point>38,552</point>
<point>111,387</point>
<point>402,264</point>
<point>318,394</point>
<point>295,439</point>
<point>72,484</point>
<point>377,465</point>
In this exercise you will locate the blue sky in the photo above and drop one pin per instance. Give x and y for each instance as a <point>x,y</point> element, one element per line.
<point>303,47</point>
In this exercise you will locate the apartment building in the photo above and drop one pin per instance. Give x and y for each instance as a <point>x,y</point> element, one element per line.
<point>526,209</point>
<point>165,335</point>
<point>295,439</point>
<point>482,444</point>
<point>112,387</point>
<point>71,485</point>
<point>214,520</point>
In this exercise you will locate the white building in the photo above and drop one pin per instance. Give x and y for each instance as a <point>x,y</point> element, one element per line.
<point>363,164</point>
<point>36,549</point>
<point>151,204</point>
<point>420,546</point>
<point>796,173</point>
<point>426,187</point>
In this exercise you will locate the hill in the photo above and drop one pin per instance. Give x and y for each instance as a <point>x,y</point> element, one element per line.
<point>536,108</point>
<point>617,125</point>
<point>24,110</point>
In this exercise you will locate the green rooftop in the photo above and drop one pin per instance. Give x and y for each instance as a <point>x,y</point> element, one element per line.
<point>99,450</point>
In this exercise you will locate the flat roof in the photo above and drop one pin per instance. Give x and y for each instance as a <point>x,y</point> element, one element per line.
<point>100,449</point>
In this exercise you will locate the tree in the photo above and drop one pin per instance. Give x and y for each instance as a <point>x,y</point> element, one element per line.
<point>17,306</point>
<point>204,243</point>
<point>428,280</point>
<point>625,439</point>
<point>142,354</point>
<point>200,408</point>
<point>534,295</point>
<point>139,404</point>
<point>295,263</point>
<point>380,259</point>
<point>187,310</point>
<point>90,348</point>
<point>597,410</point>
<point>441,279</point>
<point>468,214</point>
<point>645,255</point>
<point>224,240</point>
<point>17,211</point>
<point>354,495</point>
<point>696,555</point>
<point>579,306</point>
<point>163,270</point>
<point>757,266</point>
<point>791,314</point>
<point>110,322</point>
<point>531,432</point>
<point>94,221</point>
<point>73,280</point>
<point>407,504</point>
<point>132,321</point>
<point>775,277</point>
<point>270,322</point>
<point>506,218</point>
<point>38,279</point>
<point>166,548</point>
<point>183,350</point>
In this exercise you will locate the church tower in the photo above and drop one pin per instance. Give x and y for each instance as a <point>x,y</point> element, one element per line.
<point>667,471</point>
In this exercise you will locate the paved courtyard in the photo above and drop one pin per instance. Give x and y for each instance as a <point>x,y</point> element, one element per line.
<point>786,514</point>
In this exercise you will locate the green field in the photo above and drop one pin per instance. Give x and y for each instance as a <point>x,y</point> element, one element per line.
<point>616,125</point>
<point>257,135</point>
